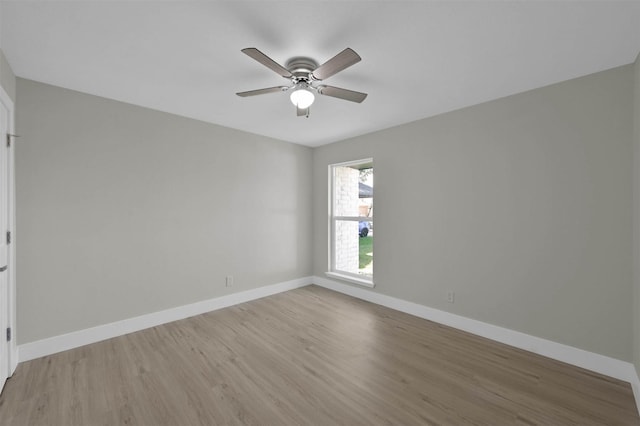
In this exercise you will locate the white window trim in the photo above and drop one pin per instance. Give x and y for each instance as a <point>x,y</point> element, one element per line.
<point>362,280</point>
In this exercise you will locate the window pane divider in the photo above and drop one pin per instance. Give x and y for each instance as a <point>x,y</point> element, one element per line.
<point>354,218</point>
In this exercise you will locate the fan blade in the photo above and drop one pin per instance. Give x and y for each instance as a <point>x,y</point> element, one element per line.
<point>262,91</point>
<point>267,61</point>
<point>347,95</point>
<point>302,112</point>
<point>342,60</point>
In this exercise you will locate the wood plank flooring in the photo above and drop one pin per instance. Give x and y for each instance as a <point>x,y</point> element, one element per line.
<point>308,357</point>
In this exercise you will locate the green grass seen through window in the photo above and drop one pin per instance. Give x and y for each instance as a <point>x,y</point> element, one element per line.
<point>366,255</point>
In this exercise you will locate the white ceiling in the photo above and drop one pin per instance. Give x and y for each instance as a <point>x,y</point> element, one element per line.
<point>419,58</point>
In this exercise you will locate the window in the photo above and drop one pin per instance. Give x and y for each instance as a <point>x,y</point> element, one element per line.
<point>351,221</point>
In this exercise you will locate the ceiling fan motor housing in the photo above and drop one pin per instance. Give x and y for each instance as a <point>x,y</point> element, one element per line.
<point>301,68</point>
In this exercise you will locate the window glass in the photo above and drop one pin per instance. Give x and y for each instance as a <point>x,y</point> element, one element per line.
<point>352,218</point>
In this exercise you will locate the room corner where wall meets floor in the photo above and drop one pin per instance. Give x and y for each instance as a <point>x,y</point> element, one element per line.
<point>56,344</point>
<point>590,361</point>
<point>349,362</point>
<point>608,366</point>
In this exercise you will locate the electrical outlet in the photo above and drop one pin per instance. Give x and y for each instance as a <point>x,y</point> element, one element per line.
<point>229,281</point>
<point>451,296</point>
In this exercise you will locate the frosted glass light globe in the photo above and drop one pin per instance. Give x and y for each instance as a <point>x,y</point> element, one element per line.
<point>302,98</point>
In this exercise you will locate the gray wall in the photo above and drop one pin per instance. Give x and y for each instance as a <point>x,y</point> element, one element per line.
<point>522,206</point>
<point>7,78</point>
<point>124,211</point>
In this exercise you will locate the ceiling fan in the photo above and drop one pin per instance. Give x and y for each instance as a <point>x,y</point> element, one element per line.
<point>305,74</point>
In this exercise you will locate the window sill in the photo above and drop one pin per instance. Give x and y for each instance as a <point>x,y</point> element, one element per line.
<point>355,280</point>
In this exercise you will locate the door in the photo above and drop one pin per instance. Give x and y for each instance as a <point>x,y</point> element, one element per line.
<point>4,243</point>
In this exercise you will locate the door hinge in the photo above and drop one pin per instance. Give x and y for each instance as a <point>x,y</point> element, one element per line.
<point>8,237</point>
<point>8,334</point>
<point>9,136</point>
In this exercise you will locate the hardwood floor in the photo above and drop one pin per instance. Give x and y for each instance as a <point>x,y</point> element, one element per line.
<point>308,356</point>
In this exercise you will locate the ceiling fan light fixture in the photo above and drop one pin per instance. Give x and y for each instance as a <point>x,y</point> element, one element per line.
<point>303,72</point>
<point>302,98</point>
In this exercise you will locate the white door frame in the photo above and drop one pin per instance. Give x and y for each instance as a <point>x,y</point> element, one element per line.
<point>11,314</point>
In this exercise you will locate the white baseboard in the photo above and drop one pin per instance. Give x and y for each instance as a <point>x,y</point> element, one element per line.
<point>40,348</point>
<point>591,361</point>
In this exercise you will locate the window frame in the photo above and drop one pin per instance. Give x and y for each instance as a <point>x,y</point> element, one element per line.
<point>364,280</point>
